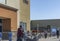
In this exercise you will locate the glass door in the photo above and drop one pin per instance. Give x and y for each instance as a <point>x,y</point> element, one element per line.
<point>23,24</point>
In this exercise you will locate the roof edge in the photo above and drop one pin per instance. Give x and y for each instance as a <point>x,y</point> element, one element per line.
<point>8,7</point>
<point>45,19</point>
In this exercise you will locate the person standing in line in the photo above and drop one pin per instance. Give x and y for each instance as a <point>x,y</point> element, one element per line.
<point>57,33</point>
<point>20,34</point>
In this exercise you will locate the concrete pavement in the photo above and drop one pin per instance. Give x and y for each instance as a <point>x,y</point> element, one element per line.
<point>50,39</point>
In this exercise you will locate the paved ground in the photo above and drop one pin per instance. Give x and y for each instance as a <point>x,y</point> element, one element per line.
<point>43,39</point>
<point>49,39</point>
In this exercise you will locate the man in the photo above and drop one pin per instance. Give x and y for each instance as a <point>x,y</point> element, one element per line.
<point>19,34</point>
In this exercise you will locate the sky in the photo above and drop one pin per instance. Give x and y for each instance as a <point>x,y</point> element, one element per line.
<point>44,9</point>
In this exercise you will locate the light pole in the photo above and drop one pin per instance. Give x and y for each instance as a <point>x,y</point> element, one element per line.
<point>37,27</point>
<point>37,30</point>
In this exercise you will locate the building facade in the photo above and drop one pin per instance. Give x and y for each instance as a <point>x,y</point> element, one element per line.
<point>8,21</point>
<point>16,13</point>
<point>23,7</point>
<point>25,14</point>
<point>14,4</point>
<point>45,24</point>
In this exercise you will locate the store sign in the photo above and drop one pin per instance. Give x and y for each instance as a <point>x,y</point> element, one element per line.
<point>53,29</point>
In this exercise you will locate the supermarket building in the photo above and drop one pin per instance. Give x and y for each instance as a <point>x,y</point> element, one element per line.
<point>43,25</point>
<point>14,13</point>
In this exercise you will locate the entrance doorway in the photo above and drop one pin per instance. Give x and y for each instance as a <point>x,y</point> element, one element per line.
<point>5,28</point>
<point>24,25</point>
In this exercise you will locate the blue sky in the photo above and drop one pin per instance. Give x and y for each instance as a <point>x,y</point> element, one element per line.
<point>44,9</point>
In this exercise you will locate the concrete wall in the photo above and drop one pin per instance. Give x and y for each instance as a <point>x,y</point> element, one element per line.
<point>25,13</point>
<point>6,13</point>
<point>13,3</point>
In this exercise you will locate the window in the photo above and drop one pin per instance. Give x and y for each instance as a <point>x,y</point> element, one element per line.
<point>0,20</point>
<point>25,1</point>
<point>3,1</point>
